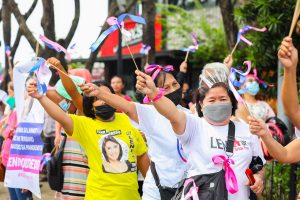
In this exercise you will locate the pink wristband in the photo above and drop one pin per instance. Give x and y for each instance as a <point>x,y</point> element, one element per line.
<point>160,94</point>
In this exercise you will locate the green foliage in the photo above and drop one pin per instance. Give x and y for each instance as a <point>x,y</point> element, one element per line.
<point>77,65</point>
<point>276,15</point>
<point>180,23</point>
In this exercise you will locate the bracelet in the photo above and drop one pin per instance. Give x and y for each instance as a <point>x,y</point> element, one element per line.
<point>159,96</point>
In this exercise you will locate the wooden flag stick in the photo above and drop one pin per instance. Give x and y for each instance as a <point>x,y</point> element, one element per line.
<point>295,17</point>
<point>234,48</point>
<point>187,55</point>
<point>37,49</point>
<point>54,67</point>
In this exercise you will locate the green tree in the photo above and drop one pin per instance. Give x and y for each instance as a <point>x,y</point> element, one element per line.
<point>276,15</point>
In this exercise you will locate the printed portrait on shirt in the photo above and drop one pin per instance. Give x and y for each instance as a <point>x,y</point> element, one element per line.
<point>115,154</point>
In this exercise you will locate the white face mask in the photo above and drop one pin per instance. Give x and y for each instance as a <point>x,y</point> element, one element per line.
<point>218,112</point>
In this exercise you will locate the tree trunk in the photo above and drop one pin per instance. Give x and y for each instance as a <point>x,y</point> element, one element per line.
<point>74,25</point>
<point>48,25</point>
<point>149,12</point>
<point>6,19</point>
<point>19,33</point>
<point>230,26</point>
<point>113,11</point>
<point>22,24</point>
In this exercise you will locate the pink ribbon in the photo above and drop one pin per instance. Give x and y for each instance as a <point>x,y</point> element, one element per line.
<point>54,45</point>
<point>235,93</point>
<point>195,40</point>
<point>246,29</point>
<point>114,21</point>
<point>193,192</point>
<point>230,178</point>
<point>259,80</point>
<point>157,69</point>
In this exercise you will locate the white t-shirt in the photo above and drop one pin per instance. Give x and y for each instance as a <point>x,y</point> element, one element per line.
<point>162,145</point>
<point>201,141</point>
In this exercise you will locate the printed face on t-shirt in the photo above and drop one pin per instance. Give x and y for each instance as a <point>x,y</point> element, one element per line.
<point>115,155</point>
<point>112,150</point>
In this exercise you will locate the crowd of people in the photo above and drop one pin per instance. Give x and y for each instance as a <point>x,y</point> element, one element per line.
<point>176,144</point>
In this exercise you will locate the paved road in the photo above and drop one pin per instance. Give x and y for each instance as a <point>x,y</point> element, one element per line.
<point>47,193</point>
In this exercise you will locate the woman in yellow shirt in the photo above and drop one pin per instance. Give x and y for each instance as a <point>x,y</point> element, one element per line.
<point>101,123</point>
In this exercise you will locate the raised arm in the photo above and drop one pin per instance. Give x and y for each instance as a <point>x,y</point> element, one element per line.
<point>287,154</point>
<point>68,84</point>
<point>51,108</point>
<point>162,104</point>
<point>113,100</point>
<point>288,55</point>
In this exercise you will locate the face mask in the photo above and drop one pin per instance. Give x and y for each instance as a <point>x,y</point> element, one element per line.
<point>64,105</point>
<point>218,112</point>
<point>104,112</point>
<point>175,96</point>
<point>252,88</point>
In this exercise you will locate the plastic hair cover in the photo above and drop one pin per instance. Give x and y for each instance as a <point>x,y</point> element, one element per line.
<point>213,73</point>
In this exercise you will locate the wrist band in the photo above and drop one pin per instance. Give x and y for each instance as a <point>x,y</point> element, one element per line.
<point>160,94</point>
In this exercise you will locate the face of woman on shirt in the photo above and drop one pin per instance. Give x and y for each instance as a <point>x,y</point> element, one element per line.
<point>117,84</point>
<point>213,96</point>
<point>170,84</point>
<point>112,151</point>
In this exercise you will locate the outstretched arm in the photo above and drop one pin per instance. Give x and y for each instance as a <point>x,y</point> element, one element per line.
<point>288,55</point>
<point>51,108</point>
<point>68,84</point>
<point>287,154</point>
<point>113,100</point>
<point>163,105</point>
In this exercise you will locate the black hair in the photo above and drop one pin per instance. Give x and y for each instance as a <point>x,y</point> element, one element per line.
<point>163,75</point>
<point>88,101</point>
<point>202,91</point>
<point>110,138</point>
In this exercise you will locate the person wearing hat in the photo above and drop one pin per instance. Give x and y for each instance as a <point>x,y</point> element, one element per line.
<point>205,139</point>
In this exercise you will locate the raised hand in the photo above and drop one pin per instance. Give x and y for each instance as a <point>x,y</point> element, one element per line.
<point>287,53</point>
<point>258,186</point>
<point>183,67</point>
<point>258,127</point>
<point>32,89</point>
<point>146,85</point>
<point>90,90</point>
<point>228,61</point>
<point>55,62</point>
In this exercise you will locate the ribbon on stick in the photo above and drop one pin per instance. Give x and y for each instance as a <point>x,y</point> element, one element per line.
<point>54,45</point>
<point>241,33</point>
<point>118,23</point>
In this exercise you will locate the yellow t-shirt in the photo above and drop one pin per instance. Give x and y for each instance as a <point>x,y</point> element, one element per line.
<point>112,149</point>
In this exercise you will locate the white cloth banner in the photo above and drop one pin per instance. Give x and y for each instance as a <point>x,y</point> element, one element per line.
<point>27,145</point>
